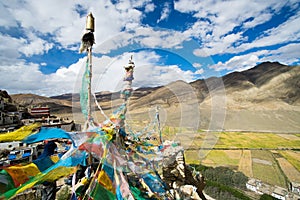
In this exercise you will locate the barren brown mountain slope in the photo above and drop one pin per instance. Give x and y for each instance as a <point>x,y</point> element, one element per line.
<point>264,98</point>
<point>269,86</point>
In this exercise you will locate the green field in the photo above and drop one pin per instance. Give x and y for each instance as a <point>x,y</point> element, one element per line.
<point>220,156</point>
<point>261,159</point>
<point>293,157</point>
<point>267,169</point>
<point>255,140</point>
<point>263,166</point>
<point>236,139</point>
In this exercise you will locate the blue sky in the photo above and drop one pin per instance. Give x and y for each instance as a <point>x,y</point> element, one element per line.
<point>169,40</point>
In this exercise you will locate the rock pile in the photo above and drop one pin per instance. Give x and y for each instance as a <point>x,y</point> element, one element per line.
<point>183,183</point>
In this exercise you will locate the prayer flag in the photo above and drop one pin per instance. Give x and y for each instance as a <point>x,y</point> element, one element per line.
<point>19,134</point>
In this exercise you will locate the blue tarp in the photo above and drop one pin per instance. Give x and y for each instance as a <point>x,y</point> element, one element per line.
<point>43,163</point>
<point>77,158</point>
<point>155,183</point>
<point>12,156</point>
<point>26,155</point>
<point>46,134</point>
<point>109,170</point>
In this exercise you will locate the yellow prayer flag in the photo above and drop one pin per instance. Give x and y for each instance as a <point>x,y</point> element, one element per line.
<point>21,174</point>
<point>19,134</point>
<point>50,176</point>
<point>57,173</point>
<point>54,158</point>
<point>104,180</point>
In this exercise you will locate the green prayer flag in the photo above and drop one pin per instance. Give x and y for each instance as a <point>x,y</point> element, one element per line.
<point>6,182</point>
<point>84,90</point>
<point>138,195</point>
<point>101,193</point>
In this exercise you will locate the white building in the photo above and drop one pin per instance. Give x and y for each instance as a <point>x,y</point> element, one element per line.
<point>295,187</point>
<point>251,185</point>
<point>254,185</point>
<point>11,145</point>
<point>279,193</point>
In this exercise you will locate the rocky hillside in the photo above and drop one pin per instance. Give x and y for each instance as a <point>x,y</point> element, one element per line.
<point>9,105</point>
<point>263,98</point>
<point>266,86</point>
<point>55,105</point>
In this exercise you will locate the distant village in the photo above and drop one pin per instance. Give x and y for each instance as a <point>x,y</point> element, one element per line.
<point>13,116</point>
<point>257,186</point>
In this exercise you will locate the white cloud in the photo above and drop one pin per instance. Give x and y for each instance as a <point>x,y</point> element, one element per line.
<point>12,48</point>
<point>34,46</point>
<point>108,73</point>
<point>187,5</point>
<point>220,18</point>
<point>22,77</point>
<point>149,7</point>
<point>288,54</point>
<point>9,47</point>
<point>146,73</point>
<point>164,13</point>
<point>289,31</point>
<point>6,18</point>
<point>238,63</point>
<point>215,33</point>
<point>40,16</point>
<point>35,20</point>
<point>27,78</point>
<point>197,65</point>
<point>223,45</point>
<point>159,38</point>
<point>199,71</point>
<point>143,37</point>
<point>66,25</point>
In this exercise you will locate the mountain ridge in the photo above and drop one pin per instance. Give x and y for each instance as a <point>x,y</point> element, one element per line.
<point>269,89</point>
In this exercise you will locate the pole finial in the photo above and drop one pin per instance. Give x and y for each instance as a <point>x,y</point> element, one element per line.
<point>88,38</point>
<point>90,22</point>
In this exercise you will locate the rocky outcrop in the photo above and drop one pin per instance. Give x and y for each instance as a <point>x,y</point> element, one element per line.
<point>8,104</point>
<point>183,183</point>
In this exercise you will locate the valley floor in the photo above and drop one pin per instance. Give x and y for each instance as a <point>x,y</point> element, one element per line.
<point>270,157</point>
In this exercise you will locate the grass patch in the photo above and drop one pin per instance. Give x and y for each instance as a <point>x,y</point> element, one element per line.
<point>255,140</point>
<point>245,164</point>
<point>168,131</point>
<point>269,173</point>
<point>221,158</point>
<point>235,139</point>
<point>291,173</point>
<point>192,157</point>
<point>262,154</point>
<point>292,157</point>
